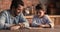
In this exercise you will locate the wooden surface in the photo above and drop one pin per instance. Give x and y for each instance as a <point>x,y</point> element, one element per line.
<point>56,29</point>
<point>54,18</point>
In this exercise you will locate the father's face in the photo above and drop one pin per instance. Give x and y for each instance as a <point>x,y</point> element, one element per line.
<point>19,9</point>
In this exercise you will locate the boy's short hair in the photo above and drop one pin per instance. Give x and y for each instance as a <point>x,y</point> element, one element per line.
<point>38,7</point>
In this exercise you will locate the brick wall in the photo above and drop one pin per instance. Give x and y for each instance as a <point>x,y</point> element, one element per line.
<point>30,2</point>
<point>5,4</point>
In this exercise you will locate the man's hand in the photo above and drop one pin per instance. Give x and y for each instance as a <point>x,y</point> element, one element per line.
<point>15,27</point>
<point>21,25</point>
<point>12,25</point>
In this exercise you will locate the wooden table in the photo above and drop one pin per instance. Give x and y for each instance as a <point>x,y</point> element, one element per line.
<point>56,29</point>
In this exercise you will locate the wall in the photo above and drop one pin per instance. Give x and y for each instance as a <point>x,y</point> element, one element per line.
<point>5,4</point>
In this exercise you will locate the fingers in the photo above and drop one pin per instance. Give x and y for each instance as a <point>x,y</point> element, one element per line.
<point>21,25</point>
<point>15,28</point>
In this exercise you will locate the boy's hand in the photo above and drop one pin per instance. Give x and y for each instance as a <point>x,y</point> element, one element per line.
<point>46,25</point>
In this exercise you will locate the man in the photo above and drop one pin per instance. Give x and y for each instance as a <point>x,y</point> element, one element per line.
<point>13,18</point>
<point>41,19</point>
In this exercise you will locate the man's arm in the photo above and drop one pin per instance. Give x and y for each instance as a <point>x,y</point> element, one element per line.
<point>25,22</point>
<point>3,20</point>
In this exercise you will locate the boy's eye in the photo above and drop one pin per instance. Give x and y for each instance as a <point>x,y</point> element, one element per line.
<point>39,12</point>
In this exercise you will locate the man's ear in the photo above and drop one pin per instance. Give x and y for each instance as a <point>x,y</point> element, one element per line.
<point>13,8</point>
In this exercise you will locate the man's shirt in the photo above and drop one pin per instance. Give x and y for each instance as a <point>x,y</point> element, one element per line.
<point>6,19</point>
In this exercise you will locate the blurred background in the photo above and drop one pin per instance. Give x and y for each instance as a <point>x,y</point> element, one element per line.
<point>51,6</point>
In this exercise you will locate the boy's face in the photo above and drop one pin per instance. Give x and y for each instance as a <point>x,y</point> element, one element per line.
<point>19,9</point>
<point>41,13</point>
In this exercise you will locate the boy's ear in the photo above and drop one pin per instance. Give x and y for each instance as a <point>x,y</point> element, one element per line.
<point>45,11</point>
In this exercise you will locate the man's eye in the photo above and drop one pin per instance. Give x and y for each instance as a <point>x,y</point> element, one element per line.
<point>18,9</point>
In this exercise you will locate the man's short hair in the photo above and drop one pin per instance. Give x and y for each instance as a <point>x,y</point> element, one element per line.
<point>15,3</point>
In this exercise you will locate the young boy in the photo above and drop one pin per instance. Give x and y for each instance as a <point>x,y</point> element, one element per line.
<point>41,19</point>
